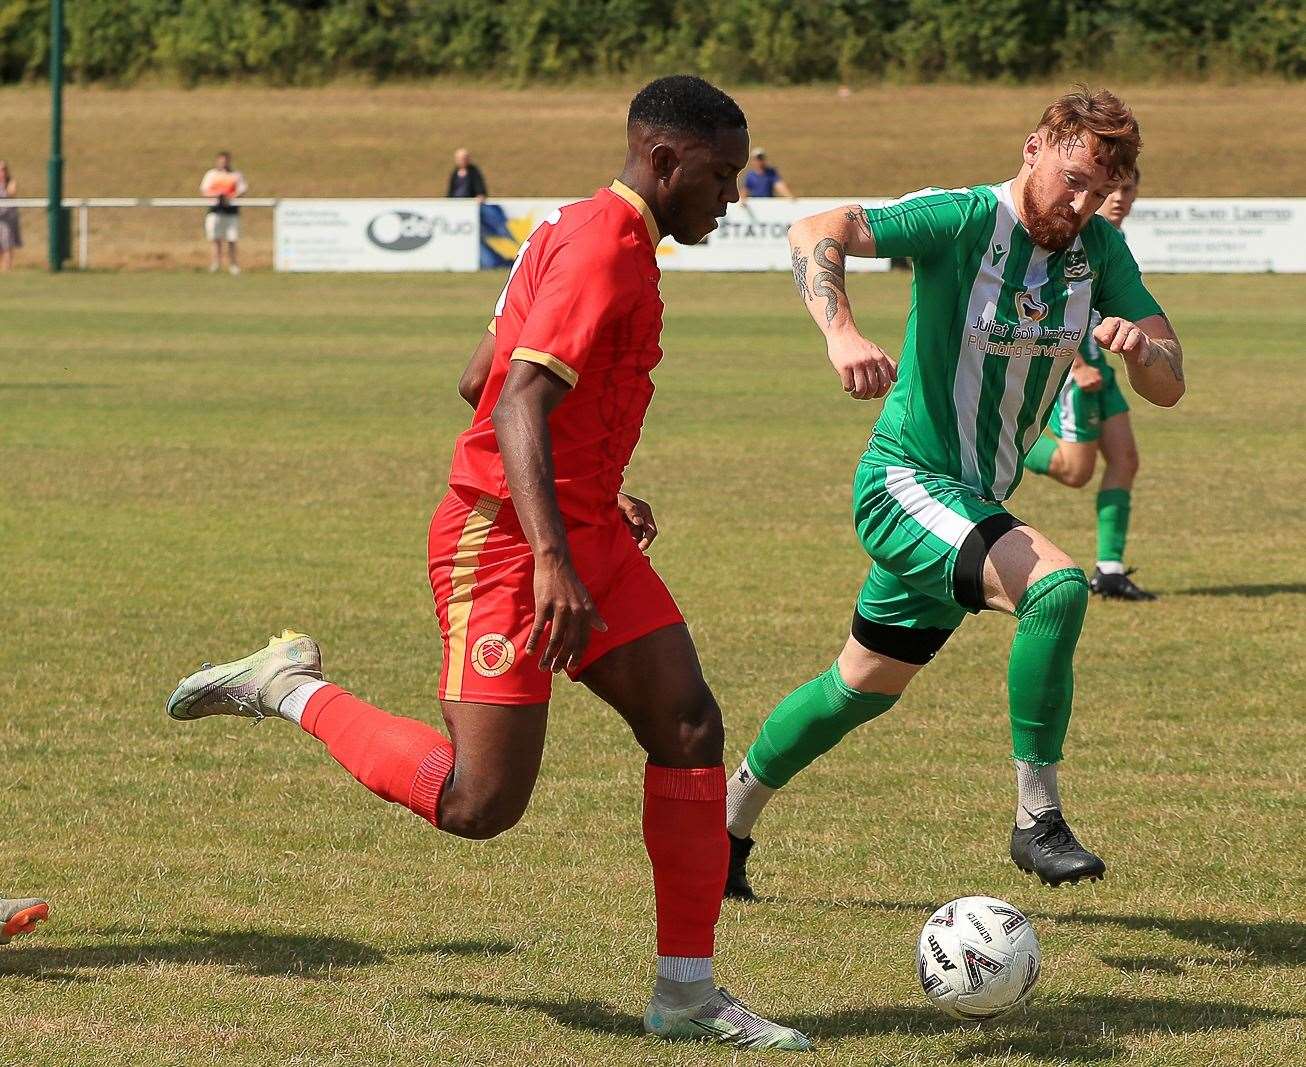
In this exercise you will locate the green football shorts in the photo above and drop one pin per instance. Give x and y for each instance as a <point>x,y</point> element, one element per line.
<point>914,526</point>
<point>1077,416</point>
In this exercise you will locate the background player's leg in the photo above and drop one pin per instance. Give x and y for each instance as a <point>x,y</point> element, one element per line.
<point>1114,500</point>
<point>1026,575</point>
<point>1069,462</point>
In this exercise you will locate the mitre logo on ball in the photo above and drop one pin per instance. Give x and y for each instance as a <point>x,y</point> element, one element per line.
<point>492,655</point>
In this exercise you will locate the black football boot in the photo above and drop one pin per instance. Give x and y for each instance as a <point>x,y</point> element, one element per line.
<point>737,887</point>
<point>1117,586</point>
<point>1049,850</point>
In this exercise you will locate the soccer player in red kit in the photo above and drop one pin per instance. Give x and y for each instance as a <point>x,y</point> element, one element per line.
<point>537,561</point>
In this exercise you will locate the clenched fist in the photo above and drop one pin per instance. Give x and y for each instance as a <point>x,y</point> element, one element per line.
<point>864,367</point>
<point>1121,337</point>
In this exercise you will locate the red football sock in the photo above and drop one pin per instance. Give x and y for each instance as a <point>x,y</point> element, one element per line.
<point>685,834</point>
<point>400,760</point>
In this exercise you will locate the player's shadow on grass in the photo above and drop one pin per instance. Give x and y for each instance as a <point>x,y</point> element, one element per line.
<point>593,1016</point>
<point>1091,1028</point>
<point>1275,943</point>
<point>459,948</point>
<point>1255,591</point>
<point>1081,1029</point>
<point>253,952</point>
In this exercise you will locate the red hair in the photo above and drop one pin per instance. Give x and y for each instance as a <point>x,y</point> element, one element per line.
<point>1103,120</point>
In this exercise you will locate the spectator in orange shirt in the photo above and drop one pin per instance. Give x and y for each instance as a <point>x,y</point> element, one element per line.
<point>222,222</point>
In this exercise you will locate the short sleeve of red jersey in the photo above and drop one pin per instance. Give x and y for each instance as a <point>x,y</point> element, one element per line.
<point>580,292</point>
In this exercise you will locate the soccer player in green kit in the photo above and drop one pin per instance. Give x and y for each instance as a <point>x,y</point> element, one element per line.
<point>1006,277</point>
<point>1091,415</point>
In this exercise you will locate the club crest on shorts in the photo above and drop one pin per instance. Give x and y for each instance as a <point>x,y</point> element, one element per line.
<point>492,655</point>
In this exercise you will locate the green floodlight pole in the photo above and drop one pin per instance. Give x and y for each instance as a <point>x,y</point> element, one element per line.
<point>54,171</point>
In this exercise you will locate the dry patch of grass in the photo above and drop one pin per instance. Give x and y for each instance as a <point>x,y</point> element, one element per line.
<point>396,140</point>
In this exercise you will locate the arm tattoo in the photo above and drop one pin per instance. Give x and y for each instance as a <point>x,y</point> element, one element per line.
<point>800,275</point>
<point>858,219</point>
<point>829,282</point>
<point>1174,356</point>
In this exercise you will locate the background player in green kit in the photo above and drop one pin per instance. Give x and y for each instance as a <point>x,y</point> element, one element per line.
<point>1006,278</point>
<point>1091,415</point>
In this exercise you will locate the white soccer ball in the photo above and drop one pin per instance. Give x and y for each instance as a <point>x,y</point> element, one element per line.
<point>978,958</point>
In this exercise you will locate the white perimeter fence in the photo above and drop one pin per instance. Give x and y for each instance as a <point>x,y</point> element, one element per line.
<point>1211,235</point>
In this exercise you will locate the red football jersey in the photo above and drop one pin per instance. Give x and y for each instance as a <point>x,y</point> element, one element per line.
<point>582,300</point>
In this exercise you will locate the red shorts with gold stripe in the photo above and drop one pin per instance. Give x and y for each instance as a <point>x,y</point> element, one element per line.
<point>482,575</point>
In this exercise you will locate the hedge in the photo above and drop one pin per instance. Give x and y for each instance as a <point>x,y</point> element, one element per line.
<point>736,41</point>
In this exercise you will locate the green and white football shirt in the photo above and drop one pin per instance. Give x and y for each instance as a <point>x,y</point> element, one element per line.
<point>994,324</point>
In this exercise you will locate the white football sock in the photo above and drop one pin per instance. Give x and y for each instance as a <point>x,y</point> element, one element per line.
<point>685,968</point>
<point>1036,791</point>
<point>1110,566</point>
<point>745,799</point>
<point>293,703</point>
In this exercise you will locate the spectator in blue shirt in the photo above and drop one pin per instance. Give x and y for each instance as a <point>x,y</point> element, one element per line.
<point>762,179</point>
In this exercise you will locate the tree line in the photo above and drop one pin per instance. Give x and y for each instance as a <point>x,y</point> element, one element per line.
<point>777,42</point>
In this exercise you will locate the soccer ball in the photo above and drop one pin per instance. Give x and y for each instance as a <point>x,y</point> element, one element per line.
<point>978,958</point>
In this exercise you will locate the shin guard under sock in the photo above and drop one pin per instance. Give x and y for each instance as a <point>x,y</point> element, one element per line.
<point>1041,678</point>
<point>1112,524</point>
<point>808,723</point>
<point>685,834</point>
<point>401,760</point>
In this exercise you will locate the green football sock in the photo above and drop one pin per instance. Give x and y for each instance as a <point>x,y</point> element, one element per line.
<point>1041,677</point>
<point>809,722</point>
<point>1040,456</point>
<point>1112,524</point>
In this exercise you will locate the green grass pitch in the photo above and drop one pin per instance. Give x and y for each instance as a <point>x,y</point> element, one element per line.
<point>191,462</point>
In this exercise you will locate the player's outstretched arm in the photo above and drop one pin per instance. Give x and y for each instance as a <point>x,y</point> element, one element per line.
<point>521,427</point>
<point>472,383</point>
<point>820,245</point>
<point>1153,357</point>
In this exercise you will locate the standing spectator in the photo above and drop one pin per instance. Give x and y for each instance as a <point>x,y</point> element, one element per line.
<point>761,179</point>
<point>11,236</point>
<point>222,222</point>
<point>466,179</point>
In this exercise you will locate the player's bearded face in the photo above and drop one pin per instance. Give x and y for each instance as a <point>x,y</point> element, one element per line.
<point>1052,222</point>
<point>1067,183</point>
